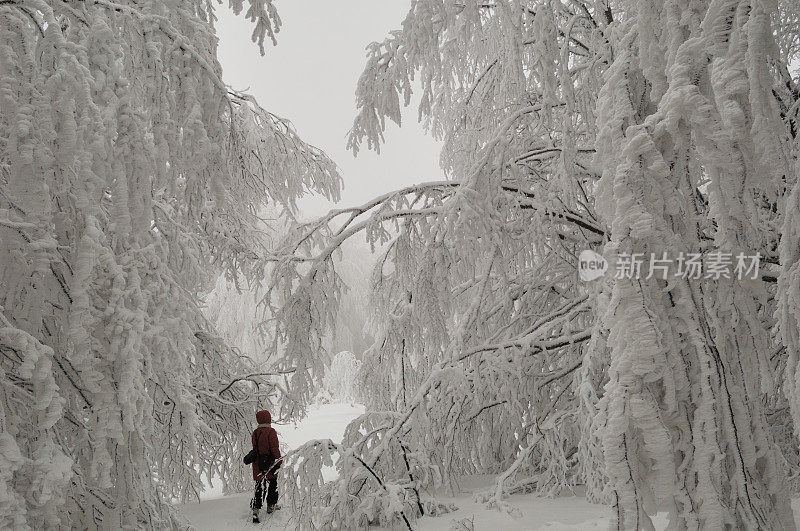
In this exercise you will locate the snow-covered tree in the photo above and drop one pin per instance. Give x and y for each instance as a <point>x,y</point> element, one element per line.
<point>341,379</point>
<point>232,305</point>
<point>350,331</point>
<point>617,126</point>
<point>693,101</point>
<point>130,176</point>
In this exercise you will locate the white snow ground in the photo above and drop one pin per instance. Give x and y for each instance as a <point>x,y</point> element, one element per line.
<point>218,513</point>
<point>566,513</point>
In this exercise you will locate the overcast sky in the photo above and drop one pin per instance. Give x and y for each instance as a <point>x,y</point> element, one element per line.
<point>310,78</point>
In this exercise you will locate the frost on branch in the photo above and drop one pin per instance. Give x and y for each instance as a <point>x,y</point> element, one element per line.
<point>618,127</point>
<point>693,151</point>
<point>41,465</point>
<point>130,178</point>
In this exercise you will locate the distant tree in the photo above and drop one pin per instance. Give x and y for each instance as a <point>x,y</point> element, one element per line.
<point>351,330</point>
<point>616,126</point>
<point>130,176</point>
<point>340,382</point>
<point>232,305</point>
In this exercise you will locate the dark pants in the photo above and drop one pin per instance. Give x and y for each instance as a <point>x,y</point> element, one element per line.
<point>272,493</point>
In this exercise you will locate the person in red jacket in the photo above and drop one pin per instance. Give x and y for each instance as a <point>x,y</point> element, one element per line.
<point>265,442</point>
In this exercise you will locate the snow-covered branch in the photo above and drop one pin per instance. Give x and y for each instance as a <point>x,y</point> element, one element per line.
<point>131,177</point>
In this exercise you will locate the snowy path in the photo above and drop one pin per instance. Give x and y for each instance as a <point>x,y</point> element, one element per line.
<point>218,513</point>
<point>573,513</point>
<point>559,514</point>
